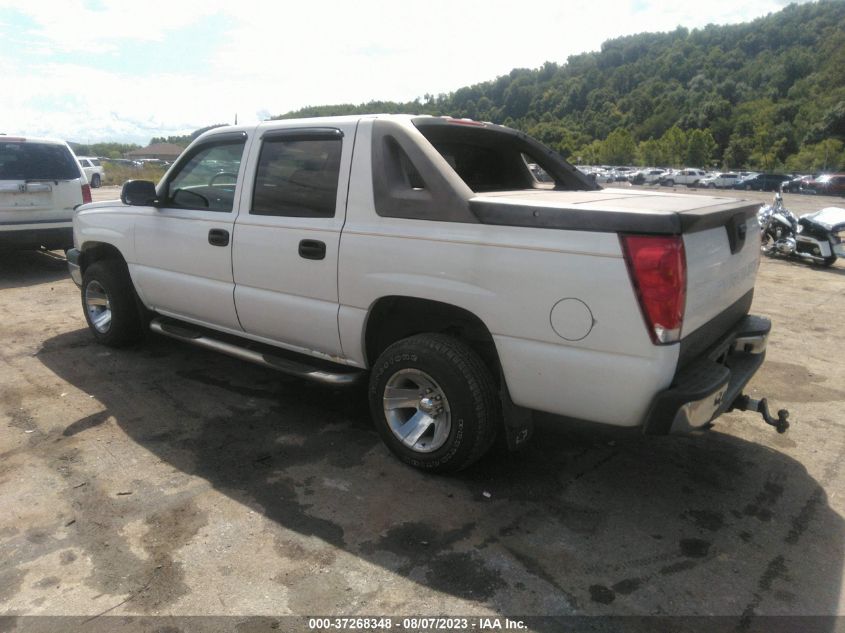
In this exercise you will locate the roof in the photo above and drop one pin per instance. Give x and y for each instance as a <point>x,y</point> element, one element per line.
<point>31,139</point>
<point>166,149</point>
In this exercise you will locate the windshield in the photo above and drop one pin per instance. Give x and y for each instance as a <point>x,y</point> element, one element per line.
<point>36,161</point>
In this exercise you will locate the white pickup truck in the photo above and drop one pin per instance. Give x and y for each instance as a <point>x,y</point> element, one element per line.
<point>421,253</point>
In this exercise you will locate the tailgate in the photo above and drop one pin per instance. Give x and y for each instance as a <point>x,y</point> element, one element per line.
<point>40,182</point>
<point>39,201</point>
<point>721,268</point>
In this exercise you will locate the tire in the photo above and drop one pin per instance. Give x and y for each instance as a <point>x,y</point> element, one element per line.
<point>829,261</point>
<point>711,185</point>
<point>669,183</point>
<point>439,378</point>
<point>110,305</point>
<point>95,181</point>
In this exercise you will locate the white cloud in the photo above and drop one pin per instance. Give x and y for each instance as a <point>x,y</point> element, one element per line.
<point>274,58</point>
<point>73,25</point>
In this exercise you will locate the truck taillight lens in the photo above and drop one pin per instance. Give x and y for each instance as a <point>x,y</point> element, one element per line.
<point>86,194</point>
<point>658,269</point>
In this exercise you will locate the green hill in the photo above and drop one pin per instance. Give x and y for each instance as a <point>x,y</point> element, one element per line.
<point>768,94</point>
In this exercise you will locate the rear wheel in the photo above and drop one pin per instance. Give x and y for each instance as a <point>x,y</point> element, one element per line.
<point>95,181</point>
<point>434,402</point>
<point>109,304</point>
<point>669,183</point>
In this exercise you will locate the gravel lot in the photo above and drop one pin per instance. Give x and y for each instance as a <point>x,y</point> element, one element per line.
<point>163,479</point>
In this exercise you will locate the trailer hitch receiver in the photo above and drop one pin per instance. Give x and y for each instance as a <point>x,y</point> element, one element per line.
<point>746,403</point>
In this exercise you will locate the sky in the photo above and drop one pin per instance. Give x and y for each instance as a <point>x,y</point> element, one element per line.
<point>113,70</point>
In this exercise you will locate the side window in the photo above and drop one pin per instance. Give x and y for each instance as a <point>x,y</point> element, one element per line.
<point>206,181</point>
<point>401,172</point>
<point>297,178</point>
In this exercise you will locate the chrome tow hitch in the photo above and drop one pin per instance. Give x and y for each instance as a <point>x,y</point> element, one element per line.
<point>746,403</point>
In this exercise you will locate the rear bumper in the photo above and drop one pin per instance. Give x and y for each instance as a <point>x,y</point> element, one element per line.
<point>707,386</point>
<point>23,239</point>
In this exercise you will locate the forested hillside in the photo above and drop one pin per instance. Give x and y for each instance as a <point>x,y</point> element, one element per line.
<point>768,94</point>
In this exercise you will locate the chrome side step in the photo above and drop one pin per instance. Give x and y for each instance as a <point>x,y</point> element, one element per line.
<point>187,334</point>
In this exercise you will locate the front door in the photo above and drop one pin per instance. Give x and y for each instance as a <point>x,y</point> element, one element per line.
<point>183,246</point>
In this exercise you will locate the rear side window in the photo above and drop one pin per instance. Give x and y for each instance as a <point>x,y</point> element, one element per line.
<point>297,178</point>
<point>489,158</point>
<point>36,161</point>
<point>498,168</point>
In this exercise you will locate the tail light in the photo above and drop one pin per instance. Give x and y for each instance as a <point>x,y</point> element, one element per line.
<point>86,194</point>
<point>658,269</point>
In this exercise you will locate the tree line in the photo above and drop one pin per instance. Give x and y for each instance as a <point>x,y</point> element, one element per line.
<point>767,94</point>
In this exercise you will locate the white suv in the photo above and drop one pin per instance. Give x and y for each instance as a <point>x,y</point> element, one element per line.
<point>41,183</point>
<point>720,181</point>
<point>688,177</point>
<point>94,172</point>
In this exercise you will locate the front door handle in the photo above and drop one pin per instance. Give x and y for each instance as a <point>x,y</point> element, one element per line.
<point>218,237</point>
<point>312,249</point>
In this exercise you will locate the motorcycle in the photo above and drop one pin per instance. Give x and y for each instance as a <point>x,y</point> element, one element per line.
<point>817,237</point>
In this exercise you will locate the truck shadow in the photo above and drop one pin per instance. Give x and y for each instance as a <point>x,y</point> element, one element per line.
<point>19,269</point>
<point>585,521</point>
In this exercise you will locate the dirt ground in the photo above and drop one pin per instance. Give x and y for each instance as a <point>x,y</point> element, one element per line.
<point>166,480</point>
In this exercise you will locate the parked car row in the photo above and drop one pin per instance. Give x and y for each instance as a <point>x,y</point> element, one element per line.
<point>826,184</point>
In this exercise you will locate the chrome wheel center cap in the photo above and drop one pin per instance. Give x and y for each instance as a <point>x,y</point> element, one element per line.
<point>427,405</point>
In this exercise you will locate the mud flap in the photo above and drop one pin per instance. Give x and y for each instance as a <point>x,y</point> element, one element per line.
<point>518,421</point>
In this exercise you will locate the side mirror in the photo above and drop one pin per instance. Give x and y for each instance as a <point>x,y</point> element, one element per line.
<point>139,193</point>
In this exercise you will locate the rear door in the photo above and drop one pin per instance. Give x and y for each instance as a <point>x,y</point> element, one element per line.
<point>183,247</point>
<point>287,237</point>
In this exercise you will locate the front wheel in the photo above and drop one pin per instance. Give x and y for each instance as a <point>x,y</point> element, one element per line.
<point>669,183</point>
<point>434,402</point>
<point>109,304</point>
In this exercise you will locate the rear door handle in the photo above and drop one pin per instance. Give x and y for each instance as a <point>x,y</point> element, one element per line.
<point>218,237</point>
<point>312,249</point>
